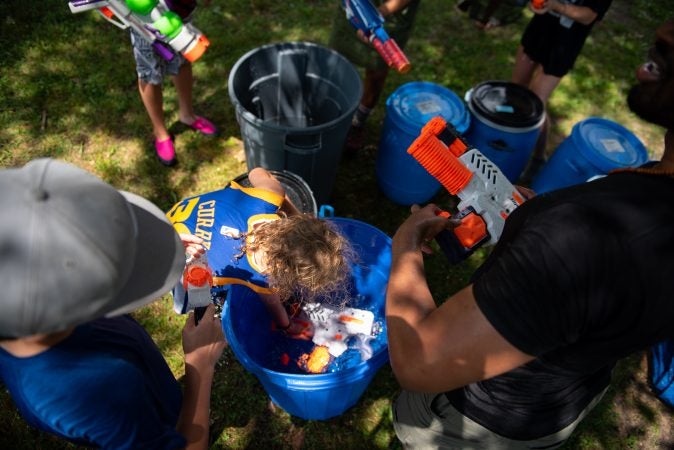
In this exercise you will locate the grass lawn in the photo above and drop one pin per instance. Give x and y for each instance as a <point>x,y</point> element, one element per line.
<point>68,90</point>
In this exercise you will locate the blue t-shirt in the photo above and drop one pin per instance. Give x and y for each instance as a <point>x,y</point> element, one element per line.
<point>106,384</point>
<point>221,218</point>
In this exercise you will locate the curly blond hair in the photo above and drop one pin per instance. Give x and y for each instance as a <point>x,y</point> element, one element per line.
<point>306,257</point>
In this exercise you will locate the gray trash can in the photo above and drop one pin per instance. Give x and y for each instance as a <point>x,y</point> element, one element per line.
<point>294,102</point>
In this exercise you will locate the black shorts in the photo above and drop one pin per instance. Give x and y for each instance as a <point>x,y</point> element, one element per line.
<point>552,45</point>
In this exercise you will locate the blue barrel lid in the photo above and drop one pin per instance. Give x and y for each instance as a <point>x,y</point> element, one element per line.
<point>413,104</point>
<point>607,144</point>
<point>506,104</point>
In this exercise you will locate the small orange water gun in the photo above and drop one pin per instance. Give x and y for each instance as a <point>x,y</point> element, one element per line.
<point>487,197</point>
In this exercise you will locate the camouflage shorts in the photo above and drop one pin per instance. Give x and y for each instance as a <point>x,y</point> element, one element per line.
<point>150,67</point>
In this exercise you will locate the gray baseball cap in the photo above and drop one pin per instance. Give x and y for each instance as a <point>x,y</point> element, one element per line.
<point>73,249</point>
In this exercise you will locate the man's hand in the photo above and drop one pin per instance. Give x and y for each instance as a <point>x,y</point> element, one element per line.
<point>203,344</point>
<point>421,227</point>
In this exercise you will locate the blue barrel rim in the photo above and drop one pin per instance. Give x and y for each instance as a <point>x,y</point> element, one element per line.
<point>461,125</point>
<point>598,159</point>
<point>317,381</point>
<point>252,119</point>
<point>498,127</point>
<point>468,98</point>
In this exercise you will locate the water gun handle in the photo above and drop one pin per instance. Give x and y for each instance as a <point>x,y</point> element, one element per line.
<point>199,312</point>
<point>162,50</point>
<point>451,247</point>
<point>459,243</point>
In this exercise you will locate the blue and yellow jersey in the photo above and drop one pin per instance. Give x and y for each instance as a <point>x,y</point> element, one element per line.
<point>220,218</point>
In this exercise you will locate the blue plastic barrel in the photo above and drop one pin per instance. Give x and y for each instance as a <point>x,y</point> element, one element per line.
<point>595,147</point>
<point>401,178</point>
<point>506,119</point>
<point>246,324</point>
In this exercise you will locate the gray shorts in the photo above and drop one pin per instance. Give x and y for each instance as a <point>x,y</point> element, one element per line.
<point>150,67</point>
<point>429,421</point>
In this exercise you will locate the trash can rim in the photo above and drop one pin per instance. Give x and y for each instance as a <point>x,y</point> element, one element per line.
<point>313,129</point>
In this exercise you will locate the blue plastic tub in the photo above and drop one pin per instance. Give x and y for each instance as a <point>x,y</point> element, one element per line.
<point>246,324</point>
<point>401,178</point>
<point>595,147</point>
<point>505,122</point>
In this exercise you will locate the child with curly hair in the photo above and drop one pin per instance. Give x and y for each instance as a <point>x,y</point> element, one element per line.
<point>256,237</point>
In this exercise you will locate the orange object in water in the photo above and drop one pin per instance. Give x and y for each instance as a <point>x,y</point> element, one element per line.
<point>315,362</point>
<point>344,318</point>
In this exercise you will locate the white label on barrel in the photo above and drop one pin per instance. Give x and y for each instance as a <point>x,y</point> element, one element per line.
<point>428,107</point>
<point>612,146</point>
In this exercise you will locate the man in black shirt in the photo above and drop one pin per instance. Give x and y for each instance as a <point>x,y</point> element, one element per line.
<point>580,278</point>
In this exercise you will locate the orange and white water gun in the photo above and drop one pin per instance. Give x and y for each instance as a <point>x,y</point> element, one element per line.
<point>486,196</point>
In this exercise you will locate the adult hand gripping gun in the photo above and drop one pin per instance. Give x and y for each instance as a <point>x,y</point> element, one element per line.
<point>365,17</point>
<point>486,196</point>
<point>153,20</point>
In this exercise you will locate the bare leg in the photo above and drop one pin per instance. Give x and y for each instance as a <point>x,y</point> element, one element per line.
<point>183,83</point>
<point>489,11</point>
<point>543,85</point>
<point>151,94</point>
<point>524,68</point>
<point>373,87</point>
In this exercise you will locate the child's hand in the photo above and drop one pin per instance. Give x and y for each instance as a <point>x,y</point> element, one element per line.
<point>300,328</point>
<point>192,244</point>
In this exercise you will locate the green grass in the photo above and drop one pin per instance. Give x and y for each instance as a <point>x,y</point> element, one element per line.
<point>68,90</point>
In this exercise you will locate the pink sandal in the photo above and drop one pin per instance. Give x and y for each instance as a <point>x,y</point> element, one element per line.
<point>204,126</point>
<point>166,153</point>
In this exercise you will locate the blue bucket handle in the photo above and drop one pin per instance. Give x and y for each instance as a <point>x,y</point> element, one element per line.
<point>326,211</point>
<point>501,146</point>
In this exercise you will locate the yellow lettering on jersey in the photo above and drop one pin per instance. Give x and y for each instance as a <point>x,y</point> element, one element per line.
<point>205,215</point>
<point>182,211</point>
